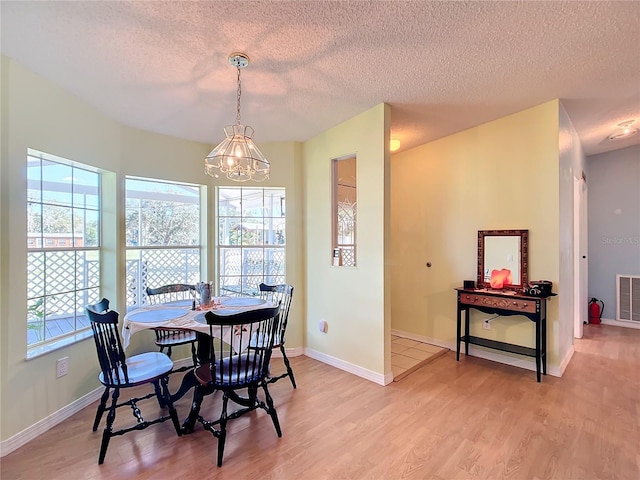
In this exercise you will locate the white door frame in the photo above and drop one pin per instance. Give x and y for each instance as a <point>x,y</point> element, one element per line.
<point>580,248</point>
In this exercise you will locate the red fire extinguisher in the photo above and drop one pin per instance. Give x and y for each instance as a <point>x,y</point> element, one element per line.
<point>596,309</point>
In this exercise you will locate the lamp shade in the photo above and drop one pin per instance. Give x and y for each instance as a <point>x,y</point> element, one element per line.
<point>237,157</point>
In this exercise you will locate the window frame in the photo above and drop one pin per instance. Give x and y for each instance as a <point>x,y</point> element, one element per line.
<point>46,288</point>
<point>248,283</point>
<point>137,275</point>
<point>338,186</point>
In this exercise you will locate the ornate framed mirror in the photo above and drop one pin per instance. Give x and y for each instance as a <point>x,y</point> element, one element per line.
<point>503,259</point>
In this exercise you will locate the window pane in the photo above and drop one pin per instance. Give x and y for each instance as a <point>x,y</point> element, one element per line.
<point>252,261</point>
<point>252,202</point>
<point>229,202</point>
<point>35,274</point>
<point>60,315</point>
<point>274,232</point>
<point>87,269</point>
<point>86,228</point>
<point>60,269</point>
<point>57,224</point>
<point>230,261</point>
<point>34,176</point>
<point>57,183</point>
<point>230,231</point>
<point>252,229</point>
<point>274,261</point>
<point>274,203</point>
<point>86,189</point>
<point>34,225</point>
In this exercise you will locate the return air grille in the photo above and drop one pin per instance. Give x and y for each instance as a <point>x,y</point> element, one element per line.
<point>628,296</point>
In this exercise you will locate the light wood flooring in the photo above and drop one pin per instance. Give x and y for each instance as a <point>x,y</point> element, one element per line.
<point>408,355</point>
<point>473,419</point>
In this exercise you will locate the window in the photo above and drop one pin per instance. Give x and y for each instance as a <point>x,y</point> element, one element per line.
<point>163,235</point>
<point>63,204</point>
<point>251,238</point>
<point>344,191</point>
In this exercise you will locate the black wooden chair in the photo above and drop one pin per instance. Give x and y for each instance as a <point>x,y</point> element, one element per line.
<point>119,372</point>
<point>166,338</point>
<point>282,295</point>
<point>233,367</point>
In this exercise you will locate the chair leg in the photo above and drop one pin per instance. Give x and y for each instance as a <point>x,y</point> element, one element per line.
<point>172,410</point>
<point>101,408</point>
<point>288,365</point>
<point>159,395</point>
<point>222,435</point>
<point>194,354</point>
<point>108,429</point>
<point>271,409</point>
<point>198,395</point>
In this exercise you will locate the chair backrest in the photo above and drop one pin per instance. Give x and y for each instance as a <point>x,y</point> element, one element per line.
<point>170,293</point>
<point>280,295</point>
<point>104,323</point>
<point>235,360</point>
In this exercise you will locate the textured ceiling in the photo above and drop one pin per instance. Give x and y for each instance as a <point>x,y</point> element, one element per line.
<point>442,66</point>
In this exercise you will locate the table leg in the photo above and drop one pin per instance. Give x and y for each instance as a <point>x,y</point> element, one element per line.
<point>538,347</point>
<point>458,333</point>
<point>466,331</point>
<point>544,345</point>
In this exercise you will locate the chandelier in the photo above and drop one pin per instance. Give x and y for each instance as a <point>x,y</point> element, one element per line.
<point>236,156</point>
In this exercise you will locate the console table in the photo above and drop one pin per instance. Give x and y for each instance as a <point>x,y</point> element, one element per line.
<point>507,304</point>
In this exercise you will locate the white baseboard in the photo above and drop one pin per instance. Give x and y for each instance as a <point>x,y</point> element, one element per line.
<point>618,323</point>
<point>357,370</point>
<point>565,362</point>
<point>291,352</point>
<point>19,439</point>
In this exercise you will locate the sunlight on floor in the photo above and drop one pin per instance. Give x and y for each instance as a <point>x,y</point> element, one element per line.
<point>408,355</point>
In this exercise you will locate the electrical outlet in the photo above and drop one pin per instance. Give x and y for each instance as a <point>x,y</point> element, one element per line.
<point>486,325</point>
<point>62,367</point>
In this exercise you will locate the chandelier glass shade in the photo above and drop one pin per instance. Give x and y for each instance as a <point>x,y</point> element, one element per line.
<point>237,157</point>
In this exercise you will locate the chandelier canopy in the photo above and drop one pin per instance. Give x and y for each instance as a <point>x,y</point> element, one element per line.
<point>236,156</point>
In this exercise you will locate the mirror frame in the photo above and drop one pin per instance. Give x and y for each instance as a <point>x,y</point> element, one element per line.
<point>524,254</point>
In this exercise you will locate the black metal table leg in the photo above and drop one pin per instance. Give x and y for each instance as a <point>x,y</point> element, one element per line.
<point>458,334</point>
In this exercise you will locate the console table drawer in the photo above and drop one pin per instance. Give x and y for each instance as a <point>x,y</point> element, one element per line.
<point>514,304</point>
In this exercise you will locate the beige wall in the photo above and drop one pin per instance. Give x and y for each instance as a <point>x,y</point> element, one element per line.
<point>37,114</point>
<point>500,175</point>
<point>354,301</point>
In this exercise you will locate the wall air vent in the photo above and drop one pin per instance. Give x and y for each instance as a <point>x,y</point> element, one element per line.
<point>628,298</point>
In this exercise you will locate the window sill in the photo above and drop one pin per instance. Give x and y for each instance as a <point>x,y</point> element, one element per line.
<point>49,347</point>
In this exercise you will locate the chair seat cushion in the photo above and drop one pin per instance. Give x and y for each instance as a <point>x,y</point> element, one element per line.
<point>232,371</point>
<point>143,367</point>
<point>176,338</point>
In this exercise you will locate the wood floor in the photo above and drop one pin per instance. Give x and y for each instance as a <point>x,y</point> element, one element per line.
<point>474,419</point>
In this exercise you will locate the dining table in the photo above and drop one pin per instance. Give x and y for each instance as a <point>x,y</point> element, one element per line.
<point>184,314</point>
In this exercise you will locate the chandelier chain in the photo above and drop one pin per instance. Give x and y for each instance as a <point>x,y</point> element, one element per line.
<point>238,98</point>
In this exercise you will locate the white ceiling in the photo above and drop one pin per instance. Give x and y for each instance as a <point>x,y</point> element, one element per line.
<point>442,66</point>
